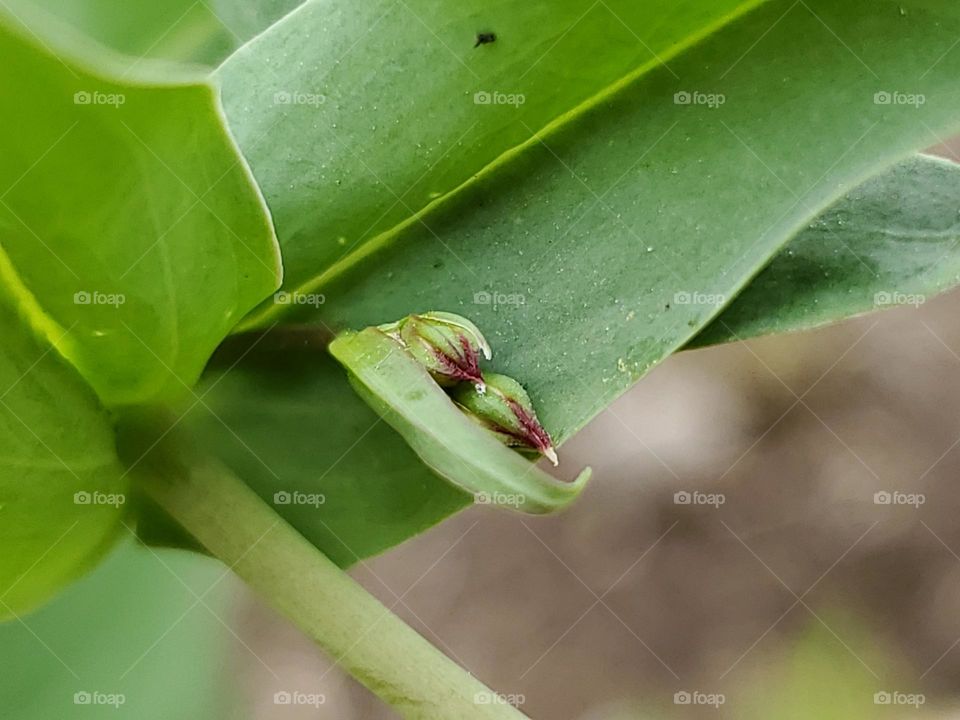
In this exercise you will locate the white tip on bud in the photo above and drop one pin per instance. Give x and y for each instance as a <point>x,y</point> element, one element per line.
<point>551,455</point>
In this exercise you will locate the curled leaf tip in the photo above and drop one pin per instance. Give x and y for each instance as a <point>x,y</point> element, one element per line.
<point>505,408</point>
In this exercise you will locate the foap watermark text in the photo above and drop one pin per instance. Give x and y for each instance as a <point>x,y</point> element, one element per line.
<point>84,297</point>
<point>895,97</point>
<point>299,498</point>
<point>497,299</point>
<point>696,497</point>
<point>695,97</point>
<point>896,497</point>
<point>495,97</point>
<point>95,97</point>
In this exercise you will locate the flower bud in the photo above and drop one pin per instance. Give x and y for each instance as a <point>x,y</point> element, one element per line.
<point>448,345</point>
<point>505,408</point>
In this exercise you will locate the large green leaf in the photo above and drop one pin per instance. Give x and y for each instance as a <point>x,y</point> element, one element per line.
<point>136,234</point>
<point>355,117</point>
<point>892,241</point>
<point>570,255</point>
<point>640,199</point>
<point>62,490</point>
<point>127,629</point>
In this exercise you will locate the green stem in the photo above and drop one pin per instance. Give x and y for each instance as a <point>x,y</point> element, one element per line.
<point>360,633</point>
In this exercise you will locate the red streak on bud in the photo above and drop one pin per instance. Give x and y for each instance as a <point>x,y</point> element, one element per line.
<point>533,433</point>
<point>462,363</point>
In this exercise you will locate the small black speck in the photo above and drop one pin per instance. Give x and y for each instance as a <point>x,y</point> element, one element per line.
<point>438,264</point>
<point>667,306</point>
<point>485,37</point>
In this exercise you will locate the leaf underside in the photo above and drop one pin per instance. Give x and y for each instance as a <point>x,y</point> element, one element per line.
<point>569,254</point>
<point>892,241</point>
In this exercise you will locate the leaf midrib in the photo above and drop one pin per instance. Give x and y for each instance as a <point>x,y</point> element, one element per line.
<point>565,119</point>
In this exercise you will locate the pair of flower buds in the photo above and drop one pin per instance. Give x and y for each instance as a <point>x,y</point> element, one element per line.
<point>449,347</point>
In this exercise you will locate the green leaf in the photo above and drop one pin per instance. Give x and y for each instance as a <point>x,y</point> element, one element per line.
<point>357,117</point>
<point>62,490</point>
<point>569,254</point>
<point>136,235</point>
<point>892,241</point>
<point>125,629</point>
<point>452,445</point>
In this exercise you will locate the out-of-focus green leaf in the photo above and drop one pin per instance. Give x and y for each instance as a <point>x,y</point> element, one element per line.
<point>893,241</point>
<point>573,257</point>
<point>830,674</point>
<point>132,628</point>
<point>62,490</point>
<point>136,234</point>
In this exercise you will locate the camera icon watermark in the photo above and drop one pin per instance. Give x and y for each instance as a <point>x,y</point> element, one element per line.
<point>694,297</point>
<point>495,97</point>
<point>695,697</point>
<point>894,697</point>
<point>295,697</point>
<point>283,297</point>
<point>296,97</point>
<point>95,697</point>
<point>695,497</point>
<point>695,97</point>
<point>500,499</point>
<point>95,97</point>
<point>498,299</point>
<point>296,497</point>
<point>897,98</point>
<point>896,497</point>
<point>886,298</point>
<point>495,698</point>
<point>84,297</point>
<point>96,497</point>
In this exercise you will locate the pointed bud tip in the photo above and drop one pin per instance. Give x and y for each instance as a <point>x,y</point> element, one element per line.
<point>551,455</point>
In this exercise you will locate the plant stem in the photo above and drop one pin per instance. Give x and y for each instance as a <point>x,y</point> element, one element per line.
<point>361,634</point>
